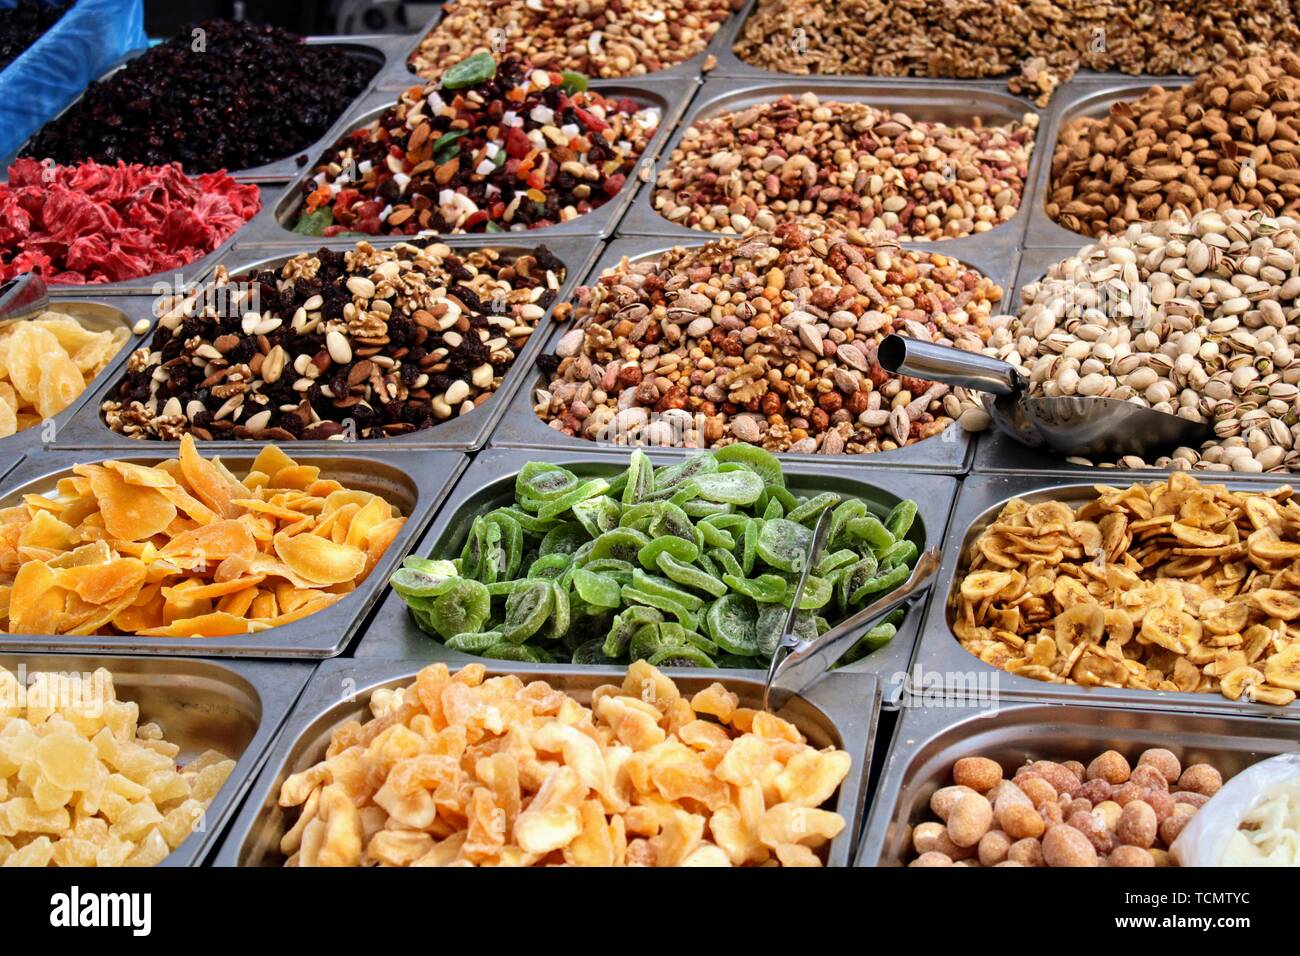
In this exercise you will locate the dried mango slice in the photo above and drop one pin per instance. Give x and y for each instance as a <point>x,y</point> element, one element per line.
<point>206,481</point>
<point>214,624</point>
<point>131,512</point>
<point>36,602</point>
<point>318,560</point>
<point>214,542</point>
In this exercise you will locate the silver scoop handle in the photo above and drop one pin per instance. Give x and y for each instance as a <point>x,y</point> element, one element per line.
<point>940,363</point>
<point>22,297</point>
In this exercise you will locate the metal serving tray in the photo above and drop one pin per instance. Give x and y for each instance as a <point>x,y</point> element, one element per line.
<point>489,483</point>
<point>236,707</point>
<point>929,741</point>
<point>940,658</point>
<point>841,711</point>
<point>957,103</point>
<point>670,97</point>
<point>414,481</point>
<point>462,433</point>
<point>947,453</point>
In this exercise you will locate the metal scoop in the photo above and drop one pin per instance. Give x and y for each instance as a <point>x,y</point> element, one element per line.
<point>1067,425</point>
<point>22,297</point>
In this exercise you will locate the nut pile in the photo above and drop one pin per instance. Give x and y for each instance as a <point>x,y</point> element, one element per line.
<point>363,343</point>
<point>769,339</point>
<point>492,149</point>
<point>465,769</point>
<point>1041,43</point>
<point>800,159</point>
<point>1197,318</point>
<point>1227,140</point>
<point>1170,586</point>
<point>1062,813</point>
<point>605,38</point>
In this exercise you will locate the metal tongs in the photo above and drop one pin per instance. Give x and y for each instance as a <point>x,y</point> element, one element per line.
<point>797,662</point>
<point>22,297</point>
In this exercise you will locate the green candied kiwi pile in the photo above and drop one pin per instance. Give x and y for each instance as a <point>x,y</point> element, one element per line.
<point>691,565</point>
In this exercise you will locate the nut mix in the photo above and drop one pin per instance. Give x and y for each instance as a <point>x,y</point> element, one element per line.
<point>604,38</point>
<point>464,769</point>
<point>693,564</point>
<point>1050,813</point>
<point>769,339</point>
<point>360,343</point>
<point>489,150</point>
<point>1040,44</point>
<point>801,159</point>
<point>186,549</point>
<point>1196,318</point>
<point>1225,141</point>
<point>1170,586</point>
<point>86,784</point>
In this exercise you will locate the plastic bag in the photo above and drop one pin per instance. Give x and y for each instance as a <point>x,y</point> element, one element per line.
<point>1213,838</point>
<point>52,72</point>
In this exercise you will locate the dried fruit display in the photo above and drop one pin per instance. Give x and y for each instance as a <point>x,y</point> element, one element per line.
<point>803,159</point>
<point>362,343</point>
<point>220,95</point>
<point>769,339</point>
<point>45,363</point>
<point>186,549</point>
<point>492,148</point>
<point>1063,813</point>
<point>604,38</point>
<point>462,768</point>
<point>86,784</point>
<point>24,23</point>
<point>1228,140</point>
<point>1170,586</point>
<point>692,564</point>
<point>87,224</point>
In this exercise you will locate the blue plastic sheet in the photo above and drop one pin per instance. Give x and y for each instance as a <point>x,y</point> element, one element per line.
<point>52,72</point>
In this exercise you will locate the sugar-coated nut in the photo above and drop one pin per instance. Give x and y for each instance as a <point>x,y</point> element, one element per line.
<point>1161,802</point>
<point>1061,779</point>
<point>1009,863</point>
<point>1110,812</point>
<point>924,836</point>
<point>1111,766</point>
<point>979,773</point>
<point>1201,778</point>
<point>1026,852</point>
<point>1137,825</point>
<point>1161,857</point>
<point>1094,828</point>
<point>1150,777</point>
<point>1072,805</point>
<point>970,819</point>
<point>1076,768</point>
<point>1007,793</point>
<point>943,844</point>
<point>1173,825</point>
<point>1096,791</point>
<point>945,798</point>
<point>1065,846</point>
<point>1129,792</point>
<point>1037,789</point>
<point>1051,813</point>
<point>1163,760</point>
<point>1128,855</point>
<point>1196,800</point>
<point>993,848</point>
<point>1020,820</point>
<point>931,858</point>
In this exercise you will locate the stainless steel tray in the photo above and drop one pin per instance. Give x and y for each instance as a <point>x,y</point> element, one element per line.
<point>841,711</point>
<point>929,740</point>
<point>956,103</point>
<point>236,707</point>
<point>940,658</point>
<point>463,433</point>
<point>489,483</point>
<point>415,481</point>
<point>947,453</point>
<point>275,223</point>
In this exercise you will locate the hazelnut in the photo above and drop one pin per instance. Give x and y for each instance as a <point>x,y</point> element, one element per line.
<point>830,401</point>
<point>770,403</point>
<point>629,375</point>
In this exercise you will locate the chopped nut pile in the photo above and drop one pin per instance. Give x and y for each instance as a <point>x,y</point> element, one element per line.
<point>1109,813</point>
<point>469,770</point>
<point>363,343</point>
<point>804,159</point>
<point>1196,318</point>
<point>605,38</point>
<point>1227,140</point>
<point>1171,586</point>
<point>769,339</point>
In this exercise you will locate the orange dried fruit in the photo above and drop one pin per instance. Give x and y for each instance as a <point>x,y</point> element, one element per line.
<point>318,560</point>
<point>131,512</point>
<point>215,542</point>
<point>213,624</point>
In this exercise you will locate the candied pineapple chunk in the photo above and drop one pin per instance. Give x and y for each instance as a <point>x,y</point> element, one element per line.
<point>84,783</point>
<point>465,770</point>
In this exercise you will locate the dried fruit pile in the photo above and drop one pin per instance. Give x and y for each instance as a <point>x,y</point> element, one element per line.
<point>605,38</point>
<point>491,149</point>
<point>358,344</point>
<point>693,564</point>
<point>24,23</point>
<point>1170,586</point>
<point>1229,140</point>
<point>770,339</point>
<point>88,223</point>
<point>804,159</point>
<point>45,363</point>
<point>87,784</point>
<point>186,549</point>
<point>222,95</point>
<point>1050,813</point>
<point>546,780</point>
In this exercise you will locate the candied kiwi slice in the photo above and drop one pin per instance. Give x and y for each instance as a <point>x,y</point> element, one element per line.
<point>762,462</point>
<point>473,642</point>
<point>465,606</point>
<point>784,544</point>
<point>527,608</point>
<point>541,481</point>
<point>682,656</point>
<point>732,622</point>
